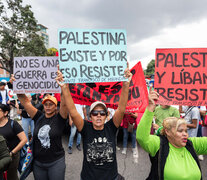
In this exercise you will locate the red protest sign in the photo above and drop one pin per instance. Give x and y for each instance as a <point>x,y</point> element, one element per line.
<point>181,76</point>
<point>109,92</point>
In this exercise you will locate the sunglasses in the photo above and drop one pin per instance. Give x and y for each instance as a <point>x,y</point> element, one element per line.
<point>95,113</point>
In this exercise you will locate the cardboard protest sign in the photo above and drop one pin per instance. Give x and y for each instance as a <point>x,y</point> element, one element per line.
<point>181,76</point>
<point>35,75</point>
<point>109,92</point>
<point>95,55</point>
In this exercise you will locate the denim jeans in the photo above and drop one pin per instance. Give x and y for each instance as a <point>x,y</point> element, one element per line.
<point>45,171</point>
<point>26,122</point>
<point>125,138</point>
<point>72,135</point>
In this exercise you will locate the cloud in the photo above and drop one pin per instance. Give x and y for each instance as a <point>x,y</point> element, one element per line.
<point>146,21</point>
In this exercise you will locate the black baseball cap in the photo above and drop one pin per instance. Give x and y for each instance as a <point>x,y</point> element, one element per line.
<point>2,84</point>
<point>4,107</point>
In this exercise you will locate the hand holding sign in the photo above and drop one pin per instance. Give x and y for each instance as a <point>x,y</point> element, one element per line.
<point>12,79</point>
<point>59,79</point>
<point>92,55</point>
<point>127,73</point>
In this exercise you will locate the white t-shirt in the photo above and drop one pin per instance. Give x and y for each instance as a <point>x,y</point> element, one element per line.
<point>203,108</point>
<point>3,95</point>
<point>111,112</point>
<point>194,113</point>
<point>80,109</point>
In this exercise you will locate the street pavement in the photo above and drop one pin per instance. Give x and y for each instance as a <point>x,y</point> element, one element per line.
<point>127,167</point>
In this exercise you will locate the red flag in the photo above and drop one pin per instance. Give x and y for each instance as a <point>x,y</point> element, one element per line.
<point>109,92</point>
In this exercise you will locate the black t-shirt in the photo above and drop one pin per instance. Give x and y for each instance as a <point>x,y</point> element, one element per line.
<point>24,113</point>
<point>99,149</point>
<point>48,138</point>
<point>10,134</point>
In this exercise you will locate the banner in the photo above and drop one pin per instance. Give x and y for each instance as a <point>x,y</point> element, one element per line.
<point>92,55</point>
<point>181,76</point>
<point>109,93</point>
<point>35,75</point>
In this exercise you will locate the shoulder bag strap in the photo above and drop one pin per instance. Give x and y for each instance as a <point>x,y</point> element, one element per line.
<point>188,110</point>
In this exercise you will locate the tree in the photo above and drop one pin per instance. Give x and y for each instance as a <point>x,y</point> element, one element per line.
<point>52,51</point>
<point>18,33</point>
<point>150,68</point>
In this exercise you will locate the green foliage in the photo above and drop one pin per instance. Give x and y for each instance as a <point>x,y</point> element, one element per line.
<point>51,51</point>
<point>150,68</point>
<point>18,33</point>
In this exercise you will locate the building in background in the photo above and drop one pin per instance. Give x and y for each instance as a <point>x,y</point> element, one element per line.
<point>43,33</point>
<point>4,74</point>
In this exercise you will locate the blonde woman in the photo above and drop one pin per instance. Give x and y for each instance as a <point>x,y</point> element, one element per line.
<point>173,154</point>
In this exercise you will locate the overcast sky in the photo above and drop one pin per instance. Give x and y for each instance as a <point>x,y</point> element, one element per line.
<point>150,24</point>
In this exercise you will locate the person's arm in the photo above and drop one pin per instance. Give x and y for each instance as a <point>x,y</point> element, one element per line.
<point>5,158</point>
<point>195,116</point>
<point>76,117</point>
<point>70,121</point>
<point>181,109</point>
<point>63,108</point>
<point>31,110</point>
<point>199,144</point>
<point>149,143</point>
<point>119,113</point>
<point>133,114</point>
<point>19,111</point>
<point>23,140</point>
<point>193,124</point>
<point>155,126</point>
<point>10,82</point>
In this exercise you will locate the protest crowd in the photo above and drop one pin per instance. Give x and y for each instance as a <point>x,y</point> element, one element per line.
<point>166,122</point>
<point>97,125</point>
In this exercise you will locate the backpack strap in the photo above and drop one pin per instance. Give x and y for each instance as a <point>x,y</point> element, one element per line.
<point>12,123</point>
<point>188,110</point>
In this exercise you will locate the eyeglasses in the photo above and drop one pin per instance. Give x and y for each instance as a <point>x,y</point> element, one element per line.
<point>95,113</point>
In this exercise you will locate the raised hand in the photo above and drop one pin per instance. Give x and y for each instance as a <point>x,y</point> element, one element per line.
<point>12,78</point>
<point>152,97</point>
<point>59,79</point>
<point>127,73</point>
